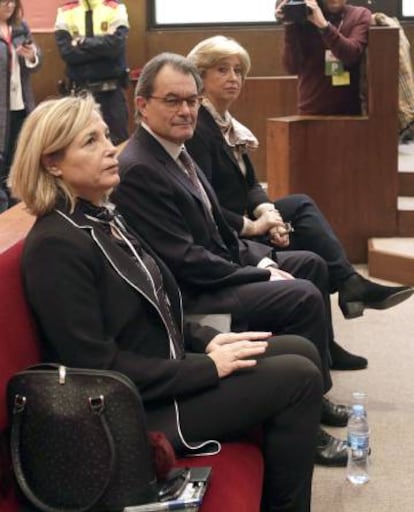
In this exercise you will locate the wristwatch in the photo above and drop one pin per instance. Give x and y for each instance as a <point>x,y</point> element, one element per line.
<point>324,30</point>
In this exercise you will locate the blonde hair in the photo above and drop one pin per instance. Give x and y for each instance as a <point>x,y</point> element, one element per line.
<point>48,130</point>
<point>208,52</point>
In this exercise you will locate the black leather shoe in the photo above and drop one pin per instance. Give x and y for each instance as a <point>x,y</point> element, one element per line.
<point>344,360</point>
<point>358,293</point>
<point>330,451</point>
<point>334,415</point>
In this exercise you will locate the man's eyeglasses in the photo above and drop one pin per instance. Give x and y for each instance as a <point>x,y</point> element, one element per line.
<point>7,2</point>
<point>174,103</point>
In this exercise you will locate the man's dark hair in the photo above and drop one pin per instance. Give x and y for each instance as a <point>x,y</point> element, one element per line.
<point>145,84</point>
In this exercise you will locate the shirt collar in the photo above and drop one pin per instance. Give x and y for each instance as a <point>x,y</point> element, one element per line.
<point>170,147</point>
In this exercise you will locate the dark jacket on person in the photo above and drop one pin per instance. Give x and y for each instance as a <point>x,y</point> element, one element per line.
<point>96,309</point>
<point>304,55</point>
<point>100,55</point>
<point>237,193</point>
<point>158,200</point>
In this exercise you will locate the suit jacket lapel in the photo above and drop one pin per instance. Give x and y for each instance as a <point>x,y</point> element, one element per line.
<point>216,133</point>
<point>168,162</point>
<point>116,256</point>
<point>227,236</point>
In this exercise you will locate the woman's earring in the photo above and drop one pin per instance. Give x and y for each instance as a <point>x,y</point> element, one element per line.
<point>54,170</point>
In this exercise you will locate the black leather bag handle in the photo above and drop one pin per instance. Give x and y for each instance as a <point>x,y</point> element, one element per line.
<point>21,478</point>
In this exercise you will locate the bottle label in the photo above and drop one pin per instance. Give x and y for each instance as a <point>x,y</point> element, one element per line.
<point>358,442</point>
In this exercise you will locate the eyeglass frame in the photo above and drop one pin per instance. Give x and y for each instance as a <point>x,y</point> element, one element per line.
<point>7,2</point>
<point>174,103</point>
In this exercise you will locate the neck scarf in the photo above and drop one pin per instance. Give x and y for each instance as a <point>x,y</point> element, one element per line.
<point>236,134</point>
<point>104,213</point>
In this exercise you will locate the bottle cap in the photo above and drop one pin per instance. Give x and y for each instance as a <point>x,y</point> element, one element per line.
<point>358,409</point>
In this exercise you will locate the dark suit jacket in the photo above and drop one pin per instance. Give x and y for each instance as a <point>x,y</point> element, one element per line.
<point>238,194</point>
<point>95,309</point>
<point>159,202</point>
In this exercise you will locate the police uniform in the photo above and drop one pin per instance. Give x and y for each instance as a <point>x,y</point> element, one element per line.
<point>91,37</point>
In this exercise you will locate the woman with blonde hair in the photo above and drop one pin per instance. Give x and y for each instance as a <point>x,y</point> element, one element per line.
<point>102,299</point>
<point>221,147</point>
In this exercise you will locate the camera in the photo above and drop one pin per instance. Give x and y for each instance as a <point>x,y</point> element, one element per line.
<point>296,11</point>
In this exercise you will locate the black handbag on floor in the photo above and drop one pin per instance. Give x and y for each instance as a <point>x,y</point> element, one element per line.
<point>79,440</point>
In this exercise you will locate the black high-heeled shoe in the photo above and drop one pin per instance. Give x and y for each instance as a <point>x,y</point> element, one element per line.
<point>341,359</point>
<point>358,293</point>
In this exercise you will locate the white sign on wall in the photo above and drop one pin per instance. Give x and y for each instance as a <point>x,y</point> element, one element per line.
<point>169,12</point>
<point>408,7</point>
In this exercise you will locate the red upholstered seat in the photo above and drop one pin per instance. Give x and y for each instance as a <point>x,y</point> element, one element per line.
<point>19,346</point>
<point>10,504</point>
<point>236,482</point>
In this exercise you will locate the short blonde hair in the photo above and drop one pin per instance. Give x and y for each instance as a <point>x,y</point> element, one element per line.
<point>208,52</point>
<point>48,130</point>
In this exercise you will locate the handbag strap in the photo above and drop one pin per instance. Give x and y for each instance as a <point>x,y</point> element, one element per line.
<point>15,442</point>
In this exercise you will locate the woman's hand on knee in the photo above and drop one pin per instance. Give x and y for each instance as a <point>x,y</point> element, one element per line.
<point>268,219</point>
<point>231,357</point>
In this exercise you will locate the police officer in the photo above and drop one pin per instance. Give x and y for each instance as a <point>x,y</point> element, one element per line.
<point>91,37</point>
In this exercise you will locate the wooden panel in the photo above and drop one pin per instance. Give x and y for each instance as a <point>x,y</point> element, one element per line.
<point>406,183</point>
<point>271,96</point>
<point>52,70</point>
<point>349,165</point>
<point>391,267</point>
<point>406,223</point>
<point>264,62</point>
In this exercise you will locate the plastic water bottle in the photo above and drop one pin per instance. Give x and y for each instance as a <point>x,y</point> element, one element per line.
<point>358,446</point>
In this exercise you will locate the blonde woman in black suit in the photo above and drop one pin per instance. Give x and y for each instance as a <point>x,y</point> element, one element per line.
<point>102,299</point>
<point>221,147</point>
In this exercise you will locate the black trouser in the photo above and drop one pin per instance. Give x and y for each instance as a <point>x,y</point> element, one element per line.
<point>314,233</point>
<point>115,113</point>
<point>282,307</point>
<point>283,394</point>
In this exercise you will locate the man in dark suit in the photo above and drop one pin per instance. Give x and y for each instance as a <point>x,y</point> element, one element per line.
<point>168,201</point>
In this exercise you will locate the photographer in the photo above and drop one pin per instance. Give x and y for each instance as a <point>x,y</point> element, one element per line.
<point>325,50</point>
